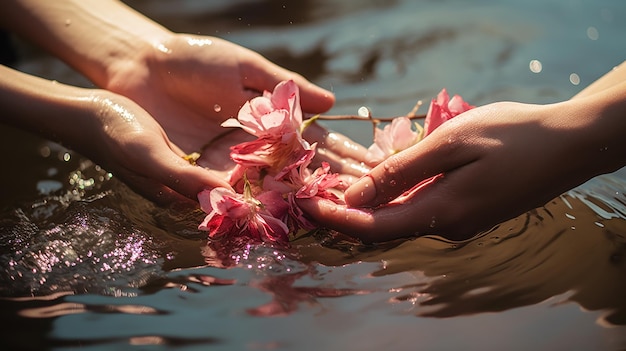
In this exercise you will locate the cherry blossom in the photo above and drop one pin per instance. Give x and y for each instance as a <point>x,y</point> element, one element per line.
<point>393,138</point>
<point>274,115</point>
<point>274,170</point>
<point>234,214</point>
<point>442,109</point>
<point>400,135</point>
<point>275,119</point>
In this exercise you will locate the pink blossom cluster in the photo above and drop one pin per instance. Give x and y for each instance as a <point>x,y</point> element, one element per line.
<point>270,173</point>
<point>273,171</point>
<point>399,134</point>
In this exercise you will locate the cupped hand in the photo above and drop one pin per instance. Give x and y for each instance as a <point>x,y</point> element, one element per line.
<point>476,170</point>
<point>190,84</point>
<point>134,147</point>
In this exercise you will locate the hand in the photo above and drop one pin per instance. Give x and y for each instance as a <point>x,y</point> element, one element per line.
<point>134,147</point>
<point>191,84</point>
<point>491,164</point>
<point>108,128</point>
<point>188,83</point>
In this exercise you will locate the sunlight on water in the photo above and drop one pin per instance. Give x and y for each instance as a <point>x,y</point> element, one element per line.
<point>86,262</point>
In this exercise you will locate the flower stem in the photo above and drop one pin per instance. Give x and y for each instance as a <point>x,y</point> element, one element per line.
<point>362,118</point>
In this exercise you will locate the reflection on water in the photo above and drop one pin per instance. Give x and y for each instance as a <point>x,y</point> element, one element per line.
<point>564,247</point>
<point>86,262</point>
<point>104,252</point>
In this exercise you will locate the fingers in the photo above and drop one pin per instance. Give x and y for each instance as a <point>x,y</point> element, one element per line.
<point>344,155</point>
<point>313,98</point>
<point>259,74</point>
<point>340,164</point>
<point>155,168</point>
<point>404,170</point>
<point>433,210</point>
<point>152,190</point>
<point>355,222</point>
<point>369,225</point>
<point>184,178</point>
<point>336,142</point>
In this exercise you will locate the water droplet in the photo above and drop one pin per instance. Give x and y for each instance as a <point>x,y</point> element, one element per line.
<point>199,42</point>
<point>574,79</point>
<point>333,209</point>
<point>592,33</point>
<point>392,182</point>
<point>433,222</point>
<point>364,111</point>
<point>361,194</point>
<point>217,108</point>
<point>389,168</point>
<point>164,49</point>
<point>535,66</point>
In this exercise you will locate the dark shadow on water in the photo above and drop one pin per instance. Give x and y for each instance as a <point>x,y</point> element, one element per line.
<point>108,249</point>
<point>562,248</point>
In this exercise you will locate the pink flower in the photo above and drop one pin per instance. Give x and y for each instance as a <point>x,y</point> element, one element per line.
<point>293,172</point>
<point>296,215</point>
<point>275,119</point>
<point>233,214</point>
<point>319,183</point>
<point>272,171</point>
<point>269,154</point>
<point>399,134</point>
<point>274,115</point>
<point>442,109</point>
<point>393,138</point>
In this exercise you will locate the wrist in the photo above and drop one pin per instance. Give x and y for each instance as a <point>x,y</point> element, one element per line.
<point>95,37</point>
<point>50,109</point>
<point>122,42</point>
<point>598,122</point>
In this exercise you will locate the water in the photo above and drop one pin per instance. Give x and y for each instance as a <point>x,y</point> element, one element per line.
<point>86,262</point>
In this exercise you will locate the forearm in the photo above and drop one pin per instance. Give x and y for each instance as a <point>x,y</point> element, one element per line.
<point>615,76</point>
<point>93,36</point>
<point>599,123</point>
<point>53,110</point>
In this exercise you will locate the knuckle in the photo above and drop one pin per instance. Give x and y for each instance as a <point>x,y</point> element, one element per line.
<point>396,173</point>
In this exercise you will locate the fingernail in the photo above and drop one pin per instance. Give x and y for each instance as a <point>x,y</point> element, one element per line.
<point>361,193</point>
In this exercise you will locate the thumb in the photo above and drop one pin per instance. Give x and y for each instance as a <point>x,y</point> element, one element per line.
<point>260,74</point>
<point>406,169</point>
<point>185,178</point>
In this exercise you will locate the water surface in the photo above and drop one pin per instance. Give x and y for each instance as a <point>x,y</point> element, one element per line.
<point>86,262</point>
